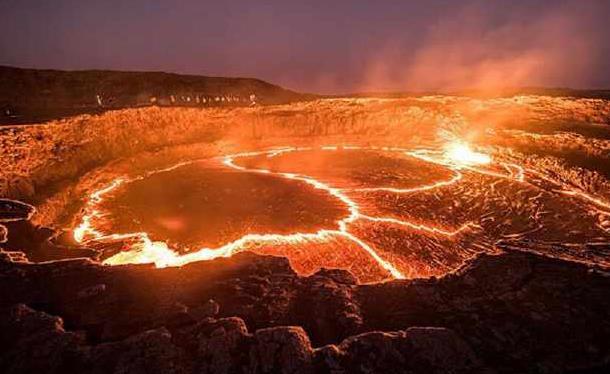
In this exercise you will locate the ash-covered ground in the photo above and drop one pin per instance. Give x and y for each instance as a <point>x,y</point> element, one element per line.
<point>433,234</point>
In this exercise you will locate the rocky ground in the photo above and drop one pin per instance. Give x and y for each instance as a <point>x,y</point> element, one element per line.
<point>514,312</point>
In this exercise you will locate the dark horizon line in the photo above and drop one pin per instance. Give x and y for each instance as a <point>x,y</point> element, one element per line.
<point>456,92</point>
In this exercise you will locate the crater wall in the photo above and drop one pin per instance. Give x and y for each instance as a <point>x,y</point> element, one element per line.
<point>37,160</point>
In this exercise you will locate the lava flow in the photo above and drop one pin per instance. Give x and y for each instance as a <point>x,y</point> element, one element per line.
<point>366,223</point>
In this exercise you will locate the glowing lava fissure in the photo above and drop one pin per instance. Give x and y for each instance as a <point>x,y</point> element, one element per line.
<point>456,158</point>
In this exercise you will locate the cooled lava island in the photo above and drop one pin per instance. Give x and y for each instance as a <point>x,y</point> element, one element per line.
<point>160,223</point>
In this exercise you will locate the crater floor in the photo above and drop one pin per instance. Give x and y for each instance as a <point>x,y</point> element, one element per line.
<point>380,213</point>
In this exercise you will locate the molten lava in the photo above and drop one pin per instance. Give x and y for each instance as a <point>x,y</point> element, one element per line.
<point>456,158</point>
<point>461,154</point>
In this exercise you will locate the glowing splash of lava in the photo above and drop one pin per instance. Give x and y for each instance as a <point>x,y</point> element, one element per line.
<point>461,154</point>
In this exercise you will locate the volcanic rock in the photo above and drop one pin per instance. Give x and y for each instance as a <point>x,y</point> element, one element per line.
<point>287,348</point>
<point>416,350</point>
<point>513,312</point>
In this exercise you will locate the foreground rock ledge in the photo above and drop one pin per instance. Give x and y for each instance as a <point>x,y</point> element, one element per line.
<point>515,312</point>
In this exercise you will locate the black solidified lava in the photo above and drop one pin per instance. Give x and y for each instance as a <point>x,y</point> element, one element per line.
<point>513,312</point>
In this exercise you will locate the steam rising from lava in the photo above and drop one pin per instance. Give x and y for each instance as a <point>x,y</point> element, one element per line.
<point>473,48</point>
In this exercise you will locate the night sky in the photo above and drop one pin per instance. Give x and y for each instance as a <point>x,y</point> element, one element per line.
<point>322,46</point>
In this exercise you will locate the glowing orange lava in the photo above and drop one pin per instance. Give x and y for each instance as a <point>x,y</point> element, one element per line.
<point>455,157</point>
<point>461,154</point>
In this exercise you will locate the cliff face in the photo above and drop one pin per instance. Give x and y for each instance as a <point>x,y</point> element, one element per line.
<point>28,95</point>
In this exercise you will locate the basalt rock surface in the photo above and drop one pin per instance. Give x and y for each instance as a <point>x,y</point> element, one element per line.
<point>513,312</point>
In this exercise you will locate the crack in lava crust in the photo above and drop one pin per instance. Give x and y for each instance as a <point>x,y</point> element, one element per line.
<point>144,250</point>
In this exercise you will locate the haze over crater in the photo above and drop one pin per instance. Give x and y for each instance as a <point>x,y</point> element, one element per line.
<point>322,47</point>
